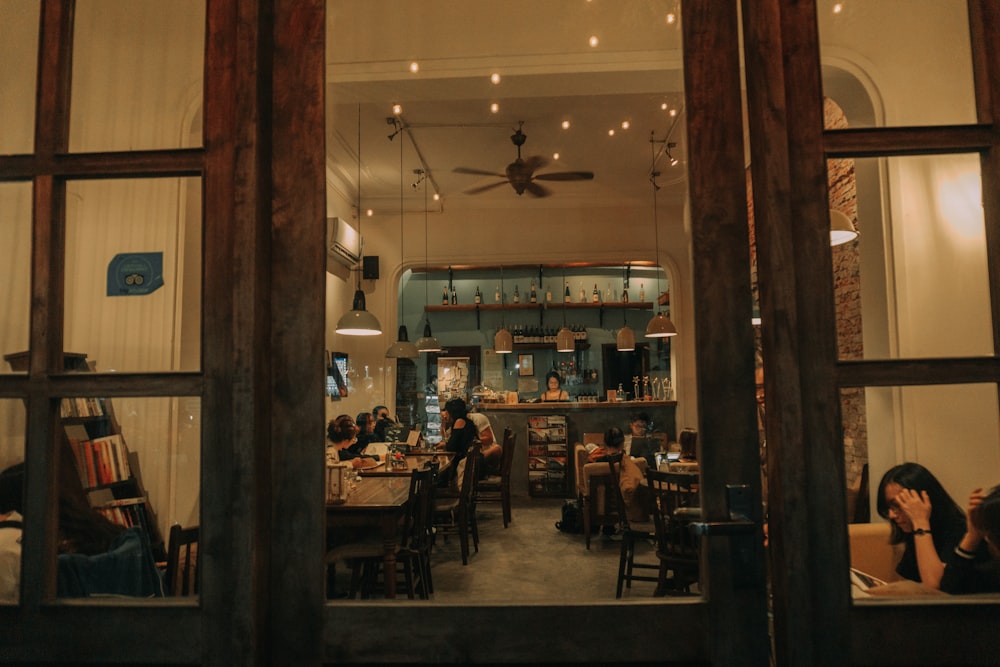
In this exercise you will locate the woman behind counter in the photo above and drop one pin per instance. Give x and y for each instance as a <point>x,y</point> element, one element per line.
<point>554,391</point>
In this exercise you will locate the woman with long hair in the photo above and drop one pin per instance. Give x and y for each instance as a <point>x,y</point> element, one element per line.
<point>924,518</point>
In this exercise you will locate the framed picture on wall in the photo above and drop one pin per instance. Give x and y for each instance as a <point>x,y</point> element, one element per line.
<point>525,364</point>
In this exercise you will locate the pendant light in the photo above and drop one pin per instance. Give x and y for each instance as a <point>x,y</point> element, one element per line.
<point>625,340</point>
<point>358,321</point>
<point>660,326</point>
<point>503,341</point>
<point>841,228</point>
<point>427,342</point>
<point>402,348</point>
<point>565,341</point>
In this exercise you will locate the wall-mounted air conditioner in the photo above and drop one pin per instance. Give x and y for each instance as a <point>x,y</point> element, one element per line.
<point>343,243</point>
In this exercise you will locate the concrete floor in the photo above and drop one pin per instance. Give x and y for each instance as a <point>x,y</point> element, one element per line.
<point>530,561</point>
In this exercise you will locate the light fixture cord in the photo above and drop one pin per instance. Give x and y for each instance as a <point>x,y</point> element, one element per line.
<point>402,292</point>
<point>426,302</point>
<point>656,225</point>
<point>361,247</point>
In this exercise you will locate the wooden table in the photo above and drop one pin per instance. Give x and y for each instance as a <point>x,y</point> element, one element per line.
<point>413,462</point>
<point>379,502</point>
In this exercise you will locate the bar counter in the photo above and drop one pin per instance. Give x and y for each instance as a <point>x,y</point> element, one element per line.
<point>581,417</point>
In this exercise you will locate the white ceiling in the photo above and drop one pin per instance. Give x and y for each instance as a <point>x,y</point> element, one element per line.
<point>549,74</point>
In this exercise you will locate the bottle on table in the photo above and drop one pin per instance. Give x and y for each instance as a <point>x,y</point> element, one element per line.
<point>567,298</point>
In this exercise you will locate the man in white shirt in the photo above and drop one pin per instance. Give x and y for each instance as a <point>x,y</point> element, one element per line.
<point>490,447</point>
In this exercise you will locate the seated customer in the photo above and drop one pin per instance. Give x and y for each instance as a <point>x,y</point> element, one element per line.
<point>342,432</point>
<point>924,518</point>
<point>490,448</point>
<point>614,443</point>
<point>974,566</point>
<point>462,434</point>
<point>366,433</point>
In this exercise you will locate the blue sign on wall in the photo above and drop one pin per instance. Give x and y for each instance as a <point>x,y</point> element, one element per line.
<point>135,273</point>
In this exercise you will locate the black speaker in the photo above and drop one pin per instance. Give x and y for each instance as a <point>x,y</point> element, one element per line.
<point>369,267</point>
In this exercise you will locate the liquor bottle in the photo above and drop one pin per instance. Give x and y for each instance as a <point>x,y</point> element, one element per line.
<point>607,294</point>
<point>533,297</point>
<point>624,294</point>
<point>567,298</point>
<point>548,294</point>
<point>496,297</point>
<point>517,295</point>
<point>444,295</point>
<point>478,298</point>
<point>454,296</point>
<point>596,298</point>
<point>583,294</point>
<point>642,293</point>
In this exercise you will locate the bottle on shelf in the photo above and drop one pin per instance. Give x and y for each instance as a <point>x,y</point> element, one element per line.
<point>444,295</point>
<point>496,297</point>
<point>607,295</point>
<point>533,296</point>
<point>624,294</point>
<point>596,297</point>
<point>478,298</point>
<point>548,294</point>
<point>454,296</point>
<point>583,293</point>
<point>566,297</point>
<point>517,295</point>
<point>642,293</point>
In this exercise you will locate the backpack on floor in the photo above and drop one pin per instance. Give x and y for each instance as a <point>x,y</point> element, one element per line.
<point>572,518</point>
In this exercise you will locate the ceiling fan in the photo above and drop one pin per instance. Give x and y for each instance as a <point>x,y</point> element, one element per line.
<point>521,173</point>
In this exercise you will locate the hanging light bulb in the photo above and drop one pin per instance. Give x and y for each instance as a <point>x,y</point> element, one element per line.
<point>358,321</point>
<point>402,348</point>
<point>427,342</point>
<point>660,326</point>
<point>503,341</point>
<point>841,228</point>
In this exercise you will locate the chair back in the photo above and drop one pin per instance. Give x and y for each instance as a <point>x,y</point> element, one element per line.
<point>183,567</point>
<point>689,444</point>
<point>604,502</point>
<point>507,455</point>
<point>466,492</point>
<point>417,520</point>
<point>675,504</point>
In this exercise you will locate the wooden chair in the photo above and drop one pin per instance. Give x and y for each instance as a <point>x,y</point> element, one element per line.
<point>675,503</point>
<point>456,514</point>
<point>183,569</point>
<point>632,532</point>
<point>596,509</point>
<point>366,556</point>
<point>688,440</point>
<point>496,488</point>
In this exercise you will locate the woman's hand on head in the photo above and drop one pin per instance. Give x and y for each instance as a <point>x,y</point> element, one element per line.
<point>973,517</point>
<point>917,506</point>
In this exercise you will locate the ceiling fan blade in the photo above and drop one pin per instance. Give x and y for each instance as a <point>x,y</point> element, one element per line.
<point>536,162</point>
<point>484,188</point>
<point>565,176</point>
<point>537,190</point>
<point>476,172</point>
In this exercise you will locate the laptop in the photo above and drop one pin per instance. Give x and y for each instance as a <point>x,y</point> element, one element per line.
<point>645,448</point>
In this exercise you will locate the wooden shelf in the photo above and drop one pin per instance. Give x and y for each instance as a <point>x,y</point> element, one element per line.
<point>580,345</point>
<point>552,305</point>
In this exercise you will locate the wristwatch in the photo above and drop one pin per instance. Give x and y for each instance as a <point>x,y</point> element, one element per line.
<point>921,531</point>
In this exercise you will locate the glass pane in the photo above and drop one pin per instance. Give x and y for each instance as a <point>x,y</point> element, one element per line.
<point>18,67</point>
<point>12,429</point>
<point>914,284</point>
<point>896,62</point>
<point>137,75</point>
<point>15,272</point>
<point>952,430</point>
<point>136,461</point>
<point>133,273</point>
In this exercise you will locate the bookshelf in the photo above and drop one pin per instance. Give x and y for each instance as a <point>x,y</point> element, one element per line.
<point>109,471</point>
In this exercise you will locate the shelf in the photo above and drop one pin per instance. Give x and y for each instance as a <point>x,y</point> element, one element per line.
<point>552,305</point>
<point>549,346</point>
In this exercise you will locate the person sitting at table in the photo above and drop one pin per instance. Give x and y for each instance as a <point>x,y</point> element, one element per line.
<point>554,390</point>
<point>490,448</point>
<point>462,433</point>
<point>382,422</point>
<point>366,433</point>
<point>974,565</point>
<point>342,432</point>
<point>614,443</point>
<point>924,518</point>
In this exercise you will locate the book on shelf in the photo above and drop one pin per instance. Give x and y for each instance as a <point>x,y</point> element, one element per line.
<point>101,460</point>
